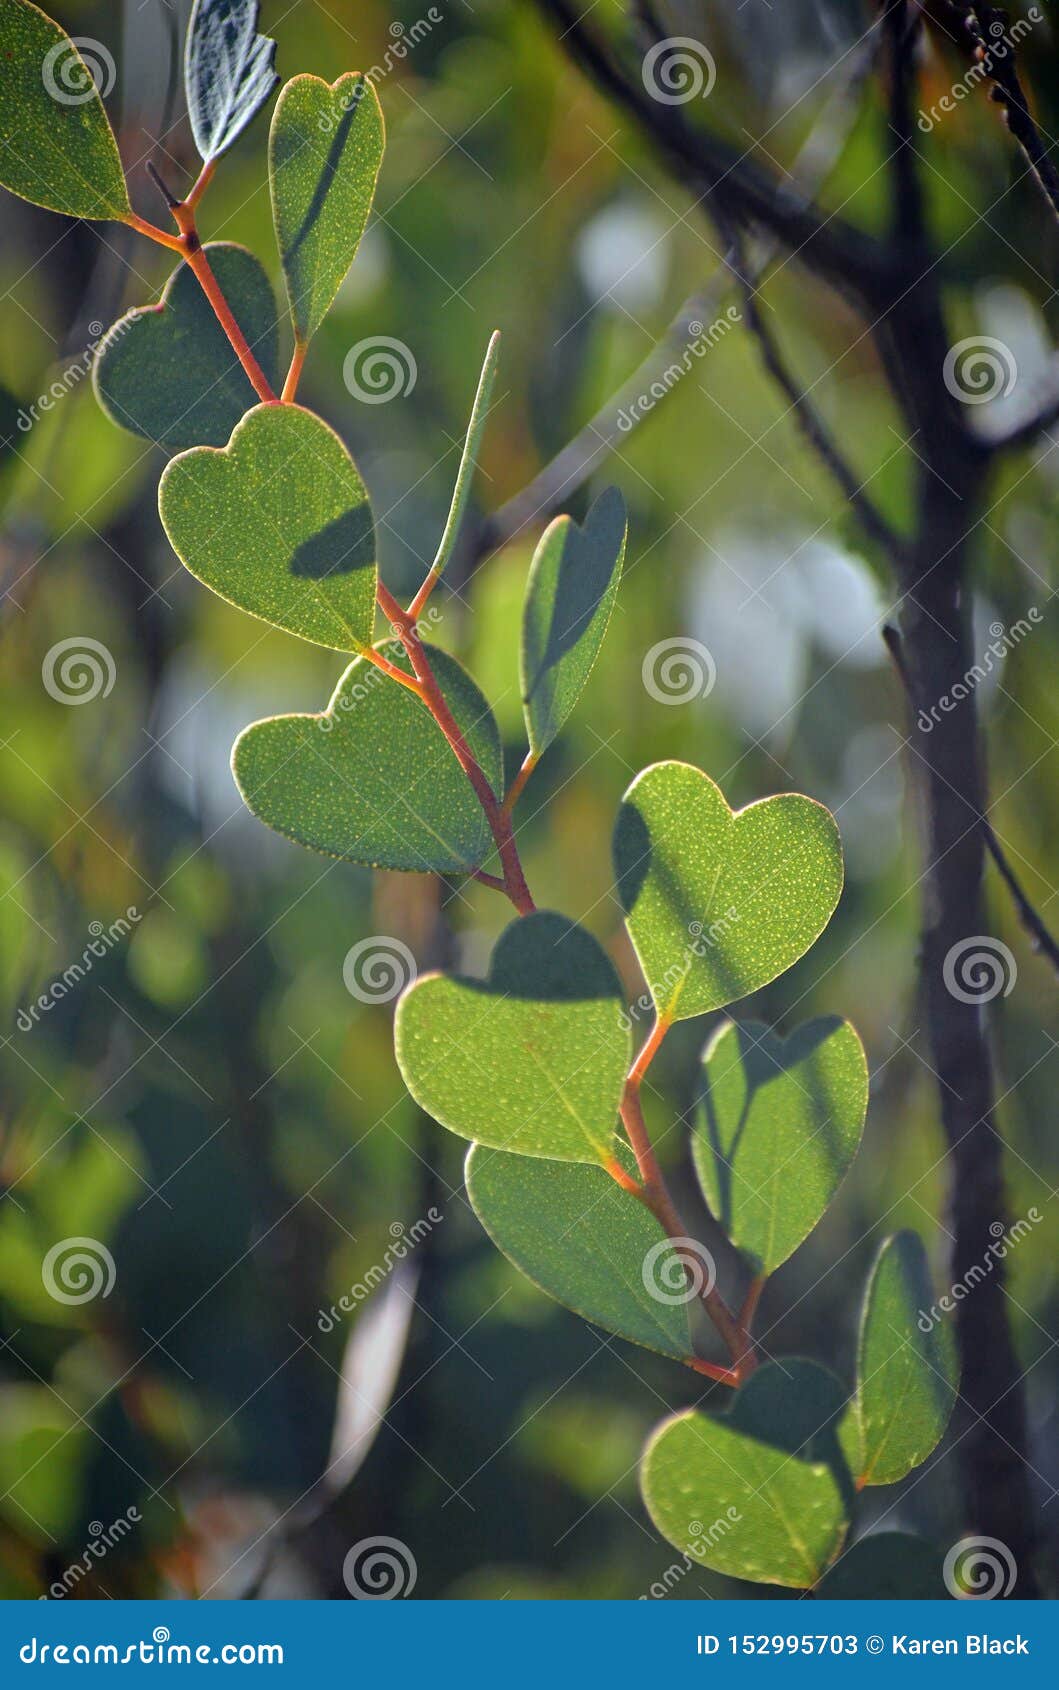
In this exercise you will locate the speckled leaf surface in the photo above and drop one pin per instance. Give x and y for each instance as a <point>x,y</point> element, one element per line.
<point>228,72</point>
<point>278,523</point>
<point>168,371</point>
<point>762,1493</point>
<point>573,582</point>
<point>324,150</point>
<point>577,1235</point>
<point>907,1378</point>
<point>777,1126</point>
<point>373,779</point>
<point>719,902</point>
<point>531,1059</point>
<point>57,148</point>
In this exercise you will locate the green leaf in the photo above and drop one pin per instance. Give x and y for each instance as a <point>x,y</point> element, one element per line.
<point>228,72</point>
<point>582,1239</point>
<point>573,582</point>
<point>57,148</point>
<point>531,1059</point>
<point>278,522</point>
<point>887,1566</point>
<point>168,371</point>
<point>469,456</point>
<point>373,780</point>
<point>720,902</point>
<point>324,150</point>
<point>761,1494</point>
<point>906,1377</point>
<point>779,1123</point>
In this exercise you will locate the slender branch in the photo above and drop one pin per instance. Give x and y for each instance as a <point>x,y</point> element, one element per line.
<point>994,49</point>
<point>199,264</point>
<point>294,373</point>
<point>526,768</point>
<point>161,237</point>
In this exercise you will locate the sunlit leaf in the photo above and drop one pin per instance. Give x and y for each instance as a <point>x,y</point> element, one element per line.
<point>278,523</point>
<point>373,779</point>
<point>228,72</point>
<point>573,582</point>
<point>325,149</point>
<point>531,1059</point>
<point>720,902</point>
<point>56,144</point>
<point>778,1125</point>
<point>762,1493</point>
<point>584,1240</point>
<point>469,456</point>
<point>168,371</point>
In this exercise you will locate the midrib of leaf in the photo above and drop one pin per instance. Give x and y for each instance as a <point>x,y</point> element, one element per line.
<point>890,1423</point>
<point>766,1490</point>
<point>560,1094</point>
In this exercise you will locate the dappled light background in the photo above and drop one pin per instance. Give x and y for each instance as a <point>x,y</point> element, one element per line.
<point>216,1101</point>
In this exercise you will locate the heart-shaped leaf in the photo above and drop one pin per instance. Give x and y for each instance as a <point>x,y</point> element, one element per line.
<point>584,1240</point>
<point>720,902</point>
<point>573,582</point>
<point>885,1567</point>
<point>228,72</point>
<point>761,1494</point>
<point>57,148</point>
<point>907,1372</point>
<point>779,1123</point>
<point>168,371</point>
<point>373,779</point>
<point>533,1058</point>
<point>278,523</point>
<point>324,153</point>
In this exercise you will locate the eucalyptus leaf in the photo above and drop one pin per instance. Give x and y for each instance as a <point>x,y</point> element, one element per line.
<point>57,148</point>
<point>531,1059</point>
<point>228,72</point>
<point>907,1377</point>
<point>718,903</point>
<point>762,1493</point>
<point>168,371</point>
<point>778,1125</point>
<point>278,522</point>
<point>373,779</point>
<point>469,456</point>
<point>573,582</point>
<point>325,148</point>
<point>582,1239</point>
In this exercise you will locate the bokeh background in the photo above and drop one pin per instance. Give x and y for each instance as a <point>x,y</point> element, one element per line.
<point>211,1102</point>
